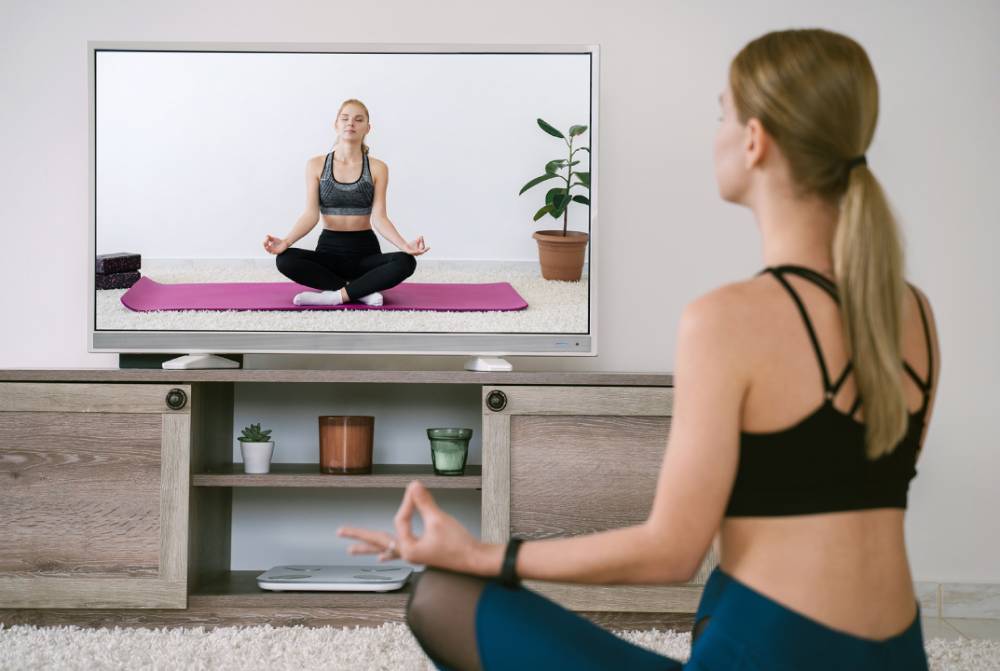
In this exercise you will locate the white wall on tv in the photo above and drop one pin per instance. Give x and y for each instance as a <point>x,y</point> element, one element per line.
<point>200,154</point>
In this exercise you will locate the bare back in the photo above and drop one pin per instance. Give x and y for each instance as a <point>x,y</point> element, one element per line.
<point>847,570</point>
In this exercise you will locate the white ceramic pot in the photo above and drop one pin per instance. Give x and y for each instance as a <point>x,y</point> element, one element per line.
<point>256,456</point>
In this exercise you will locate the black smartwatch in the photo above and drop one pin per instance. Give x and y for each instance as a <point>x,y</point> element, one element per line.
<point>508,572</point>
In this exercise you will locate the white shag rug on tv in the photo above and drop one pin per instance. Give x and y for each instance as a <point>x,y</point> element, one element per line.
<point>388,647</point>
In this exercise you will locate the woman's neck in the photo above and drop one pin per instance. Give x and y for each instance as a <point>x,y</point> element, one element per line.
<point>348,153</point>
<point>797,231</point>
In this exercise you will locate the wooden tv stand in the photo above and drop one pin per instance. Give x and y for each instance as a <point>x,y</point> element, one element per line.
<point>115,506</point>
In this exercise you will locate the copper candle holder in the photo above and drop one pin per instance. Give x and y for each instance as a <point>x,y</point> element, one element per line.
<point>345,444</point>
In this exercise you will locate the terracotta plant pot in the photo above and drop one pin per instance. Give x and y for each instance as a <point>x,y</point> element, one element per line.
<point>561,255</point>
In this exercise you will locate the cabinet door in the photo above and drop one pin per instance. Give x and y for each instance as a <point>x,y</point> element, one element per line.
<point>93,496</point>
<point>561,461</point>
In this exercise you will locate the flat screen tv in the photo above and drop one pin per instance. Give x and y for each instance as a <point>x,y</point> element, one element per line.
<point>415,196</point>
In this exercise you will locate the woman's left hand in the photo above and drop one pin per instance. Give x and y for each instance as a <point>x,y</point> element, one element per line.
<point>417,247</point>
<point>445,543</point>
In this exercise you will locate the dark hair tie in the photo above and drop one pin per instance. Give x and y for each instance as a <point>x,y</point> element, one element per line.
<point>854,162</point>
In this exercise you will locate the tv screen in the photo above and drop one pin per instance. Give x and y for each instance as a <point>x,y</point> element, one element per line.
<point>373,198</point>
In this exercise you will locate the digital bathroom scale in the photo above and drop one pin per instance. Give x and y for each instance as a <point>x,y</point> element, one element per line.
<point>319,578</point>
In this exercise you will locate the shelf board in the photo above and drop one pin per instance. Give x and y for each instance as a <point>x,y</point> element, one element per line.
<point>238,589</point>
<point>309,475</point>
<point>561,378</point>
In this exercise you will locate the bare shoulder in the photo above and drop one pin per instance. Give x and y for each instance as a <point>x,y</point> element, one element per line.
<point>723,315</point>
<point>728,304</point>
<point>378,165</point>
<point>714,341</point>
<point>314,165</point>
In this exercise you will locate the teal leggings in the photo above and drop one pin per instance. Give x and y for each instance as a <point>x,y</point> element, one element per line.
<point>746,631</point>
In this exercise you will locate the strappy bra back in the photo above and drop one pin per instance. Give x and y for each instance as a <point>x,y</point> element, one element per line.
<point>820,464</point>
<point>346,198</point>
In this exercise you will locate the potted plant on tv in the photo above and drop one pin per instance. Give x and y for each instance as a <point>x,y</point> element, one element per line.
<point>256,447</point>
<point>561,253</point>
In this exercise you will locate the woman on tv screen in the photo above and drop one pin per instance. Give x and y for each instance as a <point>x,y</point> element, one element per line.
<point>348,189</point>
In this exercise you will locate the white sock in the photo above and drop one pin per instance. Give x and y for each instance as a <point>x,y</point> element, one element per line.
<point>318,298</point>
<point>374,298</point>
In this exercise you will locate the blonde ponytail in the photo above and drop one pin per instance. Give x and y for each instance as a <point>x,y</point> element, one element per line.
<point>815,93</point>
<point>868,264</point>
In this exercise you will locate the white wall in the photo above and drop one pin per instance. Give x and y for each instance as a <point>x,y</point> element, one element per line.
<point>665,236</point>
<point>200,155</point>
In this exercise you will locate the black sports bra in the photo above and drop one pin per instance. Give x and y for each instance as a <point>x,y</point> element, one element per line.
<point>819,464</point>
<point>346,198</point>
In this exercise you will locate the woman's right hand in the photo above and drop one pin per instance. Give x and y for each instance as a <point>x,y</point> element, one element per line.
<point>275,245</point>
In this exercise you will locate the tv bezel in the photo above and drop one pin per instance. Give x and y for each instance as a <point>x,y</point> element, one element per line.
<point>361,342</point>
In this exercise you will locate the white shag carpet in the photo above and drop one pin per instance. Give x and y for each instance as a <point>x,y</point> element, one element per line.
<point>553,306</point>
<point>387,647</point>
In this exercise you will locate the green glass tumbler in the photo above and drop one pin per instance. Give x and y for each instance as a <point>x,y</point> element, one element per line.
<point>449,449</point>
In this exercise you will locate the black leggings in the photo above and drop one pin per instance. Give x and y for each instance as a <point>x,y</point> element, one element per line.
<point>351,258</point>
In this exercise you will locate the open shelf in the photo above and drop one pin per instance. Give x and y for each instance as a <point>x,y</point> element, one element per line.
<point>238,589</point>
<point>308,475</point>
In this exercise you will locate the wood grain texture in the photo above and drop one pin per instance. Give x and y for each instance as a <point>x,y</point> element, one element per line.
<point>581,474</point>
<point>396,476</point>
<point>630,401</point>
<point>207,617</point>
<point>566,378</point>
<point>93,513</point>
<point>174,494</point>
<point>54,397</point>
<point>495,511</point>
<point>64,511</point>
<point>48,592</point>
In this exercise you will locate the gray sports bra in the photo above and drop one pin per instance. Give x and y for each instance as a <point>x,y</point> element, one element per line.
<point>345,198</point>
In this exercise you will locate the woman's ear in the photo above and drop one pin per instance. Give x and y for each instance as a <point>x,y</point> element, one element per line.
<point>755,143</point>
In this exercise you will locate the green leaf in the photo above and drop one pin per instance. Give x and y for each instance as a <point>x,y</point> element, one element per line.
<point>559,203</point>
<point>584,177</point>
<point>586,149</point>
<point>542,212</point>
<point>582,199</point>
<point>586,186</point>
<point>552,166</point>
<point>537,180</point>
<point>559,190</point>
<point>550,130</point>
<point>577,130</point>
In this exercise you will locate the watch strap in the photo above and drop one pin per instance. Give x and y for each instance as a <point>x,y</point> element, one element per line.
<point>508,571</point>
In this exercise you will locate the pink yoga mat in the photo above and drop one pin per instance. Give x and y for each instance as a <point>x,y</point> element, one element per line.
<point>147,295</point>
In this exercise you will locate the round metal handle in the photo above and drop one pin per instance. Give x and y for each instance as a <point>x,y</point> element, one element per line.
<point>496,400</point>
<point>176,399</point>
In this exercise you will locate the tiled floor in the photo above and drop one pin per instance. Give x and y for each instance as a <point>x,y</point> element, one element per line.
<point>953,628</point>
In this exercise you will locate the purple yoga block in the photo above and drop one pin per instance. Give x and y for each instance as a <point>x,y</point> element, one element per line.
<point>118,263</point>
<point>116,280</point>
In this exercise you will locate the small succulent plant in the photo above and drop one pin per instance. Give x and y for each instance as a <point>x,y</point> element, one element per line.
<point>253,434</point>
